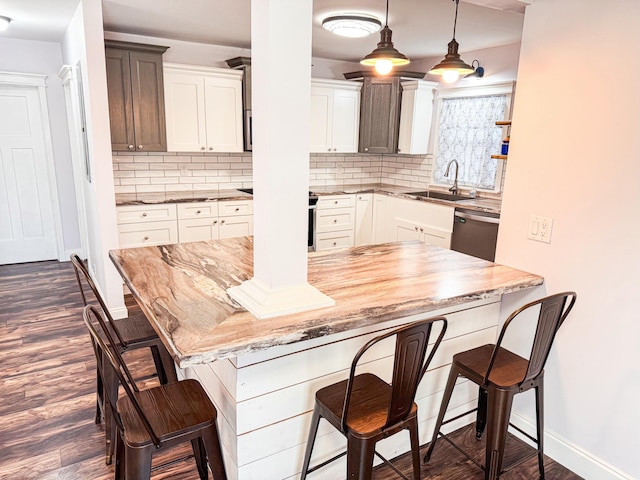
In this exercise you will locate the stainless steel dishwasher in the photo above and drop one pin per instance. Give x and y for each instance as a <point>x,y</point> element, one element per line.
<point>475,233</point>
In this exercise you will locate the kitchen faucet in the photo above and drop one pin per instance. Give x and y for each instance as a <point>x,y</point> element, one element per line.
<point>454,188</point>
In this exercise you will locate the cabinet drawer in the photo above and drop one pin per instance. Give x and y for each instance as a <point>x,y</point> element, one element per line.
<point>144,213</point>
<point>335,219</point>
<point>147,233</point>
<point>333,240</point>
<point>336,201</point>
<point>197,210</point>
<point>230,207</point>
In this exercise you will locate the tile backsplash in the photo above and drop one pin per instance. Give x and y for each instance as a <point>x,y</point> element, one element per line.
<point>169,172</point>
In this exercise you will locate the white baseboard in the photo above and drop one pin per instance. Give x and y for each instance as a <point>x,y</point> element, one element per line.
<point>567,453</point>
<point>67,254</point>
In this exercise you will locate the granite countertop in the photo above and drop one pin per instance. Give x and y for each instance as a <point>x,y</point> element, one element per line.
<point>182,289</point>
<point>480,204</point>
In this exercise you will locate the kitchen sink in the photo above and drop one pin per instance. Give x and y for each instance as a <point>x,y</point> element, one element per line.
<point>440,195</point>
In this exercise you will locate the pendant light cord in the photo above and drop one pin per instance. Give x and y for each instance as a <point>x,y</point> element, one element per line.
<point>386,18</point>
<point>455,20</point>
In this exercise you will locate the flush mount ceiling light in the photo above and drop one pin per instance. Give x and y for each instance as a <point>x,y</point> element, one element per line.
<point>452,66</point>
<point>353,26</point>
<point>4,23</point>
<point>385,56</point>
<point>478,72</point>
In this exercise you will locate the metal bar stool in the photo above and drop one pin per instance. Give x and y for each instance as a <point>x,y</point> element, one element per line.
<point>130,333</point>
<point>366,409</point>
<point>156,418</point>
<point>500,375</point>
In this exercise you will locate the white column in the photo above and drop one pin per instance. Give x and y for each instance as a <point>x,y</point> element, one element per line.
<point>281,102</point>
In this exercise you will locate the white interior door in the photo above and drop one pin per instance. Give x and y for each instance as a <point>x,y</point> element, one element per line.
<point>27,229</point>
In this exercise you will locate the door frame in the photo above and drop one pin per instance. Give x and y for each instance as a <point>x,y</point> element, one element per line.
<point>38,81</point>
<point>69,77</point>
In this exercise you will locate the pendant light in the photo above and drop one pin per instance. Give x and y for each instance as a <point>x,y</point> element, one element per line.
<point>452,66</point>
<point>385,56</point>
<point>4,23</point>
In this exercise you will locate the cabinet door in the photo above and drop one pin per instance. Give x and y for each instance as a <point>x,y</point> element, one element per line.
<point>237,226</point>
<point>416,113</point>
<point>147,233</point>
<point>185,112</point>
<point>364,219</point>
<point>380,115</point>
<point>321,113</point>
<point>198,229</point>
<point>223,106</point>
<point>435,236</point>
<point>404,230</point>
<point>147,93</point>
<point>379,218</point>
<point>120,102</point>
<point>345,121</point>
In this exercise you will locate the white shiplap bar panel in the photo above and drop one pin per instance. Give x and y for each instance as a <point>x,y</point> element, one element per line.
<point>265,406</point>
<point>273,407</point>
<point>282,350</point>
<point>261,378</point>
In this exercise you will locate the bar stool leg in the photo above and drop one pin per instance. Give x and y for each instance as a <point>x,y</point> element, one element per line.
<point>313,430</point>
<point>481,416</point>
<point>138,462</point>
<point>214,453</point>
<point>451,383</point>
<point>540,424</point>
<point>415,448</point>
<point>200,455</point>
<point>499,411</point>
<point>359,458</point>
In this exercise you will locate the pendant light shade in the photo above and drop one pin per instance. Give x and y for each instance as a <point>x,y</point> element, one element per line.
<point>385,56</point>
<point>452,66</point>
<point>4,23</point>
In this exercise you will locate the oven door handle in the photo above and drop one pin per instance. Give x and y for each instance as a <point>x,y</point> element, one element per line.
<point>477,218</point>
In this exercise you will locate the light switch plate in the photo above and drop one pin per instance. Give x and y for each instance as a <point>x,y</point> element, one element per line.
<point>540,228</point>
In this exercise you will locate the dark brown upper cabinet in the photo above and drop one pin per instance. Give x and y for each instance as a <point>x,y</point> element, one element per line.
<point>136,96</point>
<point>379,115</point>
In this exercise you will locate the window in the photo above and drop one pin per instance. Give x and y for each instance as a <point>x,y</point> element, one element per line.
<point>467,133</point>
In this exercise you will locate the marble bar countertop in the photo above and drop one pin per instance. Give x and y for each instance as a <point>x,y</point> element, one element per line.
<point>484,204</point>
<point>182,289</point>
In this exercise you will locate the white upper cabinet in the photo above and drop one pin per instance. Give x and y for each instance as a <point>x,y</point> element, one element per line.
<point>203,109</point>
<point>335,116</point>
<point>416,112</point>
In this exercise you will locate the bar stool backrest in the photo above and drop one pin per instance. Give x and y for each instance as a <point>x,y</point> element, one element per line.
<point>95,323</point>
<point>553,312</point>
<point>81,270</point>
<point>409,366</point>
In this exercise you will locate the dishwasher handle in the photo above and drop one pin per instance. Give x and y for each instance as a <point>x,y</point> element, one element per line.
<point>477,218</point>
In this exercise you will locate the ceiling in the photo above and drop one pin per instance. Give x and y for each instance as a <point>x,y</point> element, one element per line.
<point>420,28</point>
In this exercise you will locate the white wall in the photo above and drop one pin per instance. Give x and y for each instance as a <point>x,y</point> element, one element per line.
<point>83,42</point>
<point>26,56</point>
<point>574,158</point>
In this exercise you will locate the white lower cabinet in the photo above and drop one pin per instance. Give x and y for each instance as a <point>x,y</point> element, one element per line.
<point>335,222</point>
<point>143,225</point>
<point>414,220</point>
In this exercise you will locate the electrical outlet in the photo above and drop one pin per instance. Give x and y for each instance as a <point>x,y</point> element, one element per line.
<point>540,228</point>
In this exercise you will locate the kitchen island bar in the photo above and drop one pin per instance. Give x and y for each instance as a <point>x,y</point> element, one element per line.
<point>262,374</point>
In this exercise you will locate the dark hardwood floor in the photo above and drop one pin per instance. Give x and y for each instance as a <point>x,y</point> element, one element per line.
<point>47,392</point>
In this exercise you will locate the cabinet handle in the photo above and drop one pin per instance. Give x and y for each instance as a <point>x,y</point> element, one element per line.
<point>237,209</point>
<point>140,147</point>
<point>198,212</point>
<point>144,214</point>
<point>130,147</point>
<point>335,202</point>
<point>416,228</point>
<point>202,148</point>
<point>328,149</point>
<point>366,149</point>
<point>335,149</point>
<point>335,220</point>
<point>421,229</point>
<point>221,221</point>
<point>145,238</point>
<point>334,244</point>
<point>215,221</point>
<point>210,148</point>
